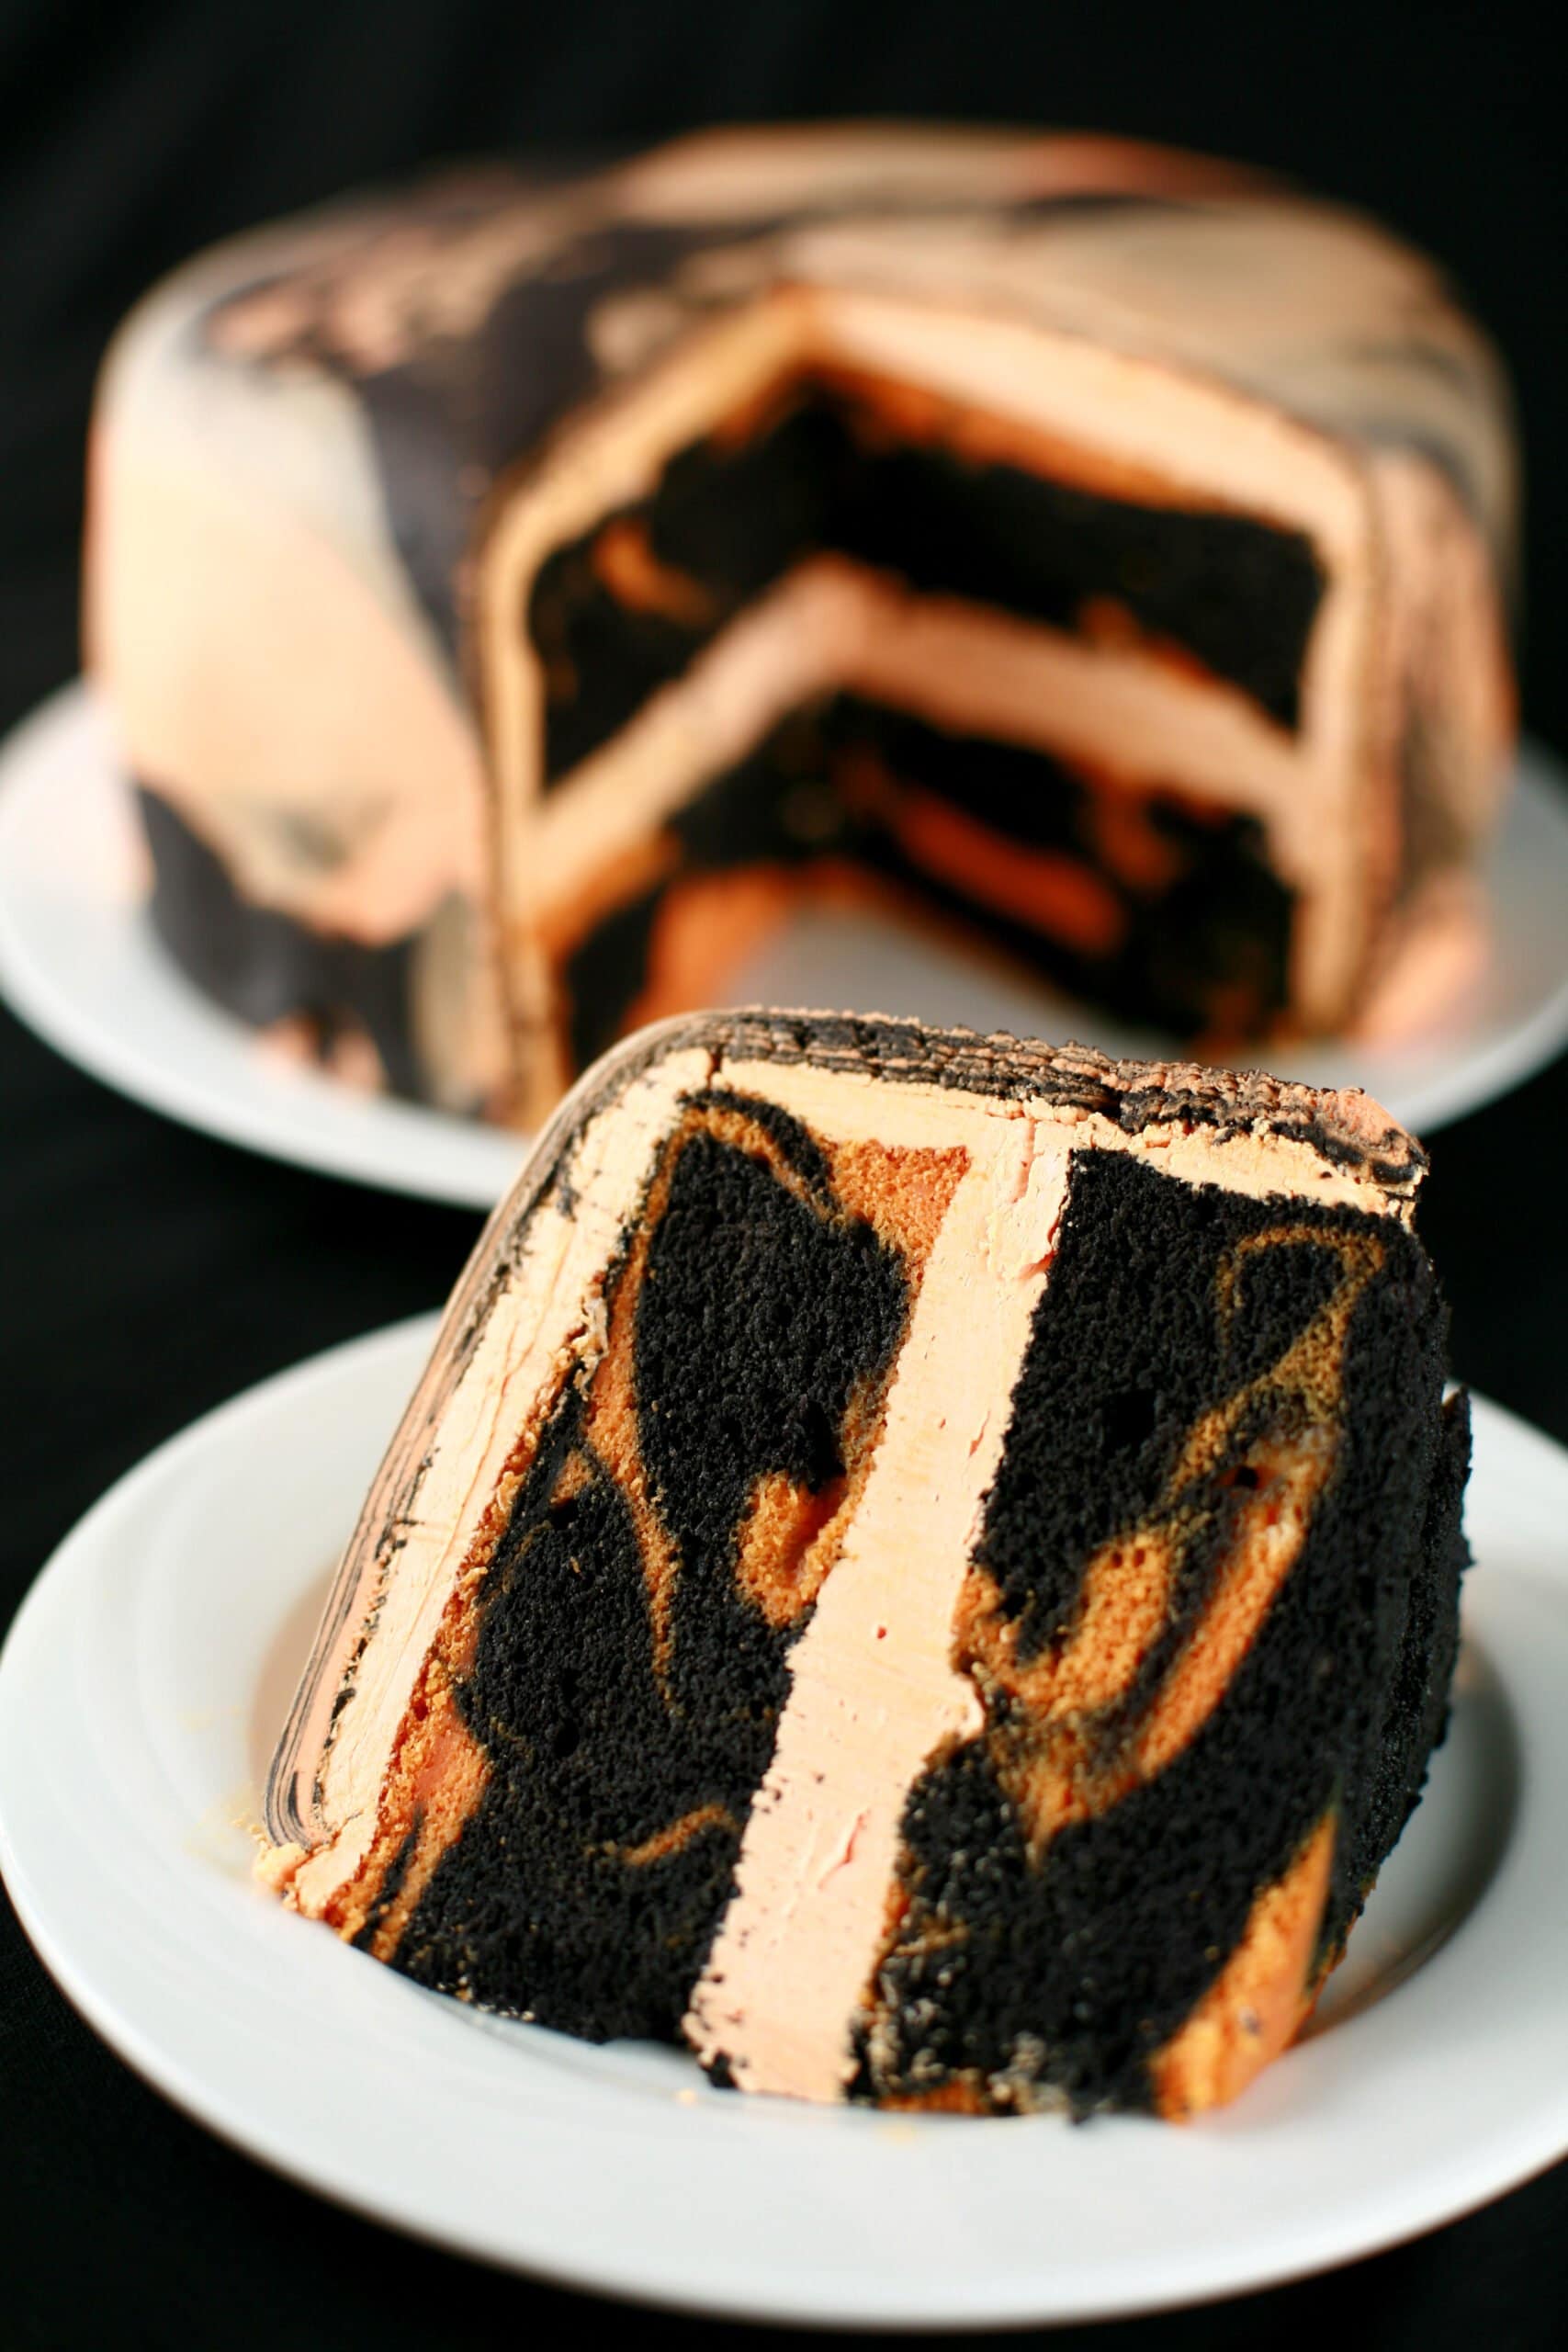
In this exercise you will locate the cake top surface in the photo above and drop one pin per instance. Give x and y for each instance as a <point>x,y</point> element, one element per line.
<point>1348,1130</point>
<point>480,310</point>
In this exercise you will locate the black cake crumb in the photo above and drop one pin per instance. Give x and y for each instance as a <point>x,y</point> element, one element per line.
<point>1090,1963</point>
<point>759,1315</point>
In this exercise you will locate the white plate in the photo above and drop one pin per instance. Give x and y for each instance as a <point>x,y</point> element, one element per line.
<point>79,959</point>
<point>139,1696</point>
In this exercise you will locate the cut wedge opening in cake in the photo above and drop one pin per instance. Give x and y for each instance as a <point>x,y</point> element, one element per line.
<point>1056,666</point>
<point>924,1568</point>
<point>955,503</point>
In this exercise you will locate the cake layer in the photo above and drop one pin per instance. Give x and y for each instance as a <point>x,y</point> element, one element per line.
<point>924,1566</point>
<point>1164,910</point>
<point>949,502</point>
<point>486,469</point>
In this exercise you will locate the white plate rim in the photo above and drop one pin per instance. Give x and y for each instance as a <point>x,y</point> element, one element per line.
<point>92,981</point>
<point>1517,1605</point>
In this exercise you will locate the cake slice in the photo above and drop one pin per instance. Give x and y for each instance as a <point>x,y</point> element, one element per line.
<point>924,1566</point>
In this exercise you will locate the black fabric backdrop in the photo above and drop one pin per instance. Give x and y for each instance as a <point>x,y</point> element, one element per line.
<point>146,1272</point>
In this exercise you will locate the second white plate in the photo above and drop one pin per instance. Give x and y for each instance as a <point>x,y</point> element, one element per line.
<point>139,1694</point>
<point>79,959</point>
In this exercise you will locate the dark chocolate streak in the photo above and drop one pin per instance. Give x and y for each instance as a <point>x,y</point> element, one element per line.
<point>1073,1967</point>
<point>446,423</point>
<point>264,967</point>
<point>760,1313</point>
<point>1240,595</point>
<point>1203,950</point>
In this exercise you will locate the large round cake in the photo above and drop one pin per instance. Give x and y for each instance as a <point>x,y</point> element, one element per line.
<point>517,594</point>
